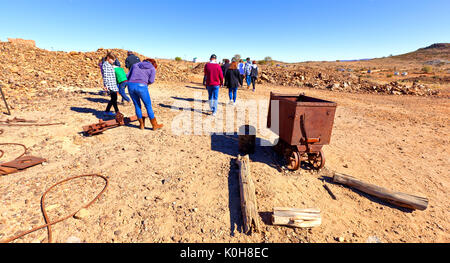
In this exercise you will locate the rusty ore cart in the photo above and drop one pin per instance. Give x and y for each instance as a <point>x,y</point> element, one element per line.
<point>305,125</point>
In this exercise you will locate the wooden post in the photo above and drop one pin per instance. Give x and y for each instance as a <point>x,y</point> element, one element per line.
<point>4,99</point>
<point>396,198</point>
<point>305,218</point>
<point>248,197</point>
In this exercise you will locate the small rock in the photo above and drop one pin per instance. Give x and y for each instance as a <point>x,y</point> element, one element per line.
<point>117,232</point>
<point>83,213</point>
<point>164,181</point>
<point>73,239</point>
<point>373,239</point>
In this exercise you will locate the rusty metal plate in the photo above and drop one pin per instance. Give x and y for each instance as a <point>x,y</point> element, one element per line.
<point>24,162</point>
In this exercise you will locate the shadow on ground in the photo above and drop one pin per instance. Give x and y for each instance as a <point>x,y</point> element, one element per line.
<point>98,100</point>
<point>182,109</point>
<point>229,145</point>
<point>234,199</point>
<point>98,114</point>
<point>199,88</point>
<point>194,100</point>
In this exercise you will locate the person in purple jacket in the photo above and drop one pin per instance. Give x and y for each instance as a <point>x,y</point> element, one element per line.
<point>140,76</point>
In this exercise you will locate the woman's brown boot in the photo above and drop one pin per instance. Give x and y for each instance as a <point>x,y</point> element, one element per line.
<point>155,124</point>
<point>141,123</point>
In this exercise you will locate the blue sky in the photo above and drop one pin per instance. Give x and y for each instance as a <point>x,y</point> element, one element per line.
<point>288,30</point>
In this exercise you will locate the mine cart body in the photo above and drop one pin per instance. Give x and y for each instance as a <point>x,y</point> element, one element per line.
<point>305,125</point>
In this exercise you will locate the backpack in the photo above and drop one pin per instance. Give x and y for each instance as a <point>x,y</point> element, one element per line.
<point>254,73</point>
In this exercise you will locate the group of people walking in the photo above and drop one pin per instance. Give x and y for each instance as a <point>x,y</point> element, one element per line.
<point>140,75</point>
<point>232,74</point>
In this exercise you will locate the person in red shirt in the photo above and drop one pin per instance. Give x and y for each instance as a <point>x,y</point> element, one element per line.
<point>213,80</point>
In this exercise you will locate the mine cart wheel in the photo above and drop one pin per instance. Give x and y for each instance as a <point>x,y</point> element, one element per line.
<point>317,160</point>
<point>293,161</point>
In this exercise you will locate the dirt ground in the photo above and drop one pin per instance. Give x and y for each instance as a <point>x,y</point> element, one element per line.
<point>165,187</point>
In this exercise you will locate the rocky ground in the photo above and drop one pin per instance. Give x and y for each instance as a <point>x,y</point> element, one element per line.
<point>169,187</point>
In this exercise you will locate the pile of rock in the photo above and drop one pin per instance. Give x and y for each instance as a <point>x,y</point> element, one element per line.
<point>394,88</point>
<point>19,41</point>
<point>27,71</point>
<point>337,81</point>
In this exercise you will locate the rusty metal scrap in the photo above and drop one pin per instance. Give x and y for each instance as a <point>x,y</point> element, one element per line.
<point>24,162</point>
<point>50,223</point>
<point>102,125</point>
<point>20,163</point>
<point>23,122</point>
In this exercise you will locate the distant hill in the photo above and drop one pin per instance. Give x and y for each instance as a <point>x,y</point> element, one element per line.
<point>435,52</point>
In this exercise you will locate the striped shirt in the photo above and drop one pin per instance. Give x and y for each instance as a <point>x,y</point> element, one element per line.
<point>109,77</point>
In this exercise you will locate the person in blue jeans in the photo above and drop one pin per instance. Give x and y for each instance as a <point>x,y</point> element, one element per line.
<point>248,72</point>
<point>121,78</point>
<point>213,98</point>
<point>140,76</point>
<point>122,86</point>
<point>233,80</point>
<point>213,80</point>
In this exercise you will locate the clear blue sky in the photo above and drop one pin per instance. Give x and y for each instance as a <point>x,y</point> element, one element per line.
<point>288,30</point>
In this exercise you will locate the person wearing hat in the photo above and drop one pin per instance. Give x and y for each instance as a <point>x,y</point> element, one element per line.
<point>213,80</point>
<point>131,60</point>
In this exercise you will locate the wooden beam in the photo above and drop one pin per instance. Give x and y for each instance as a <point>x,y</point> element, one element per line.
<point>305,218</point>
<point>396,198</point>
<point>248,197</point>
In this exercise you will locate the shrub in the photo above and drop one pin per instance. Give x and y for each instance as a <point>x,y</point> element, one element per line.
<point>267,59</point>
<point>178,59</point>
<point>389,75</point>
<point>427,69</point>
